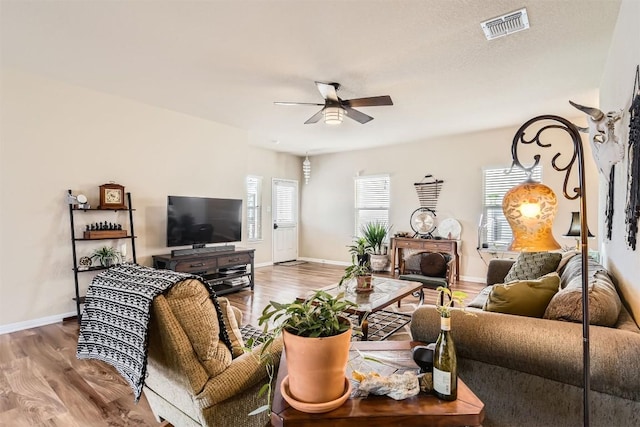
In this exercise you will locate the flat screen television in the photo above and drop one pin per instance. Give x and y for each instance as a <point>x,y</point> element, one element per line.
<point>197,221</point>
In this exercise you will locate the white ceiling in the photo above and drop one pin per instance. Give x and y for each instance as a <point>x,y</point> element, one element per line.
<point>228,61</point>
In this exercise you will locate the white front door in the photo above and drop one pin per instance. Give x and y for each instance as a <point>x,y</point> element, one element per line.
<point>285,220</point>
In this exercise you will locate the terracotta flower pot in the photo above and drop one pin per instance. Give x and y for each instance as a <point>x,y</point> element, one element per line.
<point>317,366</point>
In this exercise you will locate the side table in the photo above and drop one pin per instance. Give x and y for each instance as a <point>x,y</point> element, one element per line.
<point>420,410</point>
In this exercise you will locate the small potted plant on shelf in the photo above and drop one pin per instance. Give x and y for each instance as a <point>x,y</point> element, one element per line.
<point>311,331</point>
<point>376,233</point>
<point>106,255</point>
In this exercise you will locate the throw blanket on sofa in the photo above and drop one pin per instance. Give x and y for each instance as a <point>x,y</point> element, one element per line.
<point>115,320</point>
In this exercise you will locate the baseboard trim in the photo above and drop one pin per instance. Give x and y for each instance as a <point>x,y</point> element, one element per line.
<point>264,264</point>
<point>474,279</point>
<point>34,323</point>
<point>324,261</point>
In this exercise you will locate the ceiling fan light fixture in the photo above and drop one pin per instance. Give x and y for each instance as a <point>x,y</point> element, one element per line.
<point>333,115</point>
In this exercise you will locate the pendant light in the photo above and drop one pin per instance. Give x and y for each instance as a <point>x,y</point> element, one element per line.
<point>306,169</point>
<point>530,208</point>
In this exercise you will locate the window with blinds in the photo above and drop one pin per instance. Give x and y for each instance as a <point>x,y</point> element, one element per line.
<point>284,213</point>
<point>254,208</point>
<point>495,231</point>
<point>372,200</point>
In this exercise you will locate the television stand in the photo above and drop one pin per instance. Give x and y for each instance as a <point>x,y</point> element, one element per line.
<point>195,250</point>
<point>226,271</point>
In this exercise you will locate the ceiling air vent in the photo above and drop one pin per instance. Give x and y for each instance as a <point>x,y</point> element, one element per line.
<point>505,24</point>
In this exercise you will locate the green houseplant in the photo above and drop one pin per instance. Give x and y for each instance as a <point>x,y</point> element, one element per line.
<point>360,249</point>
<point>376,233</point>
<point>362,274</point>
<point>316,338</point>
<point>106,255</point>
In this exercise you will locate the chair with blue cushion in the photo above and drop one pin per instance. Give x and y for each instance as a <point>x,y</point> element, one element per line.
<point>432,269</point>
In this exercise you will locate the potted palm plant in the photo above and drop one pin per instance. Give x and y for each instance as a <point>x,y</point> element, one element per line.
<point>376,233</point>
<point>316,339</point>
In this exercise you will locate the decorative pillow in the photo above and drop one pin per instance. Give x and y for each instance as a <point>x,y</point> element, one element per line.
<point>481,298</point>
<point>190,303</point>
<point>531,265</point>
<point>233,329</point>
<point>523,298</point>
<point>604,302</point>
<point>433,264</point>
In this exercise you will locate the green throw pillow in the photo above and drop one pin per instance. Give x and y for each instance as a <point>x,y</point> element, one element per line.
<point>531,265</point>
<point>523,298</point>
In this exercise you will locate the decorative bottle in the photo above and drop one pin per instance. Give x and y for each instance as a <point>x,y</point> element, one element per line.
<point>445,364</point>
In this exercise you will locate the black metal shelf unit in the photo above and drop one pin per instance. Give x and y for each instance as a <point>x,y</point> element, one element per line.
<point>130,236</point>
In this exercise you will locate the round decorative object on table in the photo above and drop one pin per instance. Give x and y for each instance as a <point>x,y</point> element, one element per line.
<point>449,229</point>
<point>423,221</point>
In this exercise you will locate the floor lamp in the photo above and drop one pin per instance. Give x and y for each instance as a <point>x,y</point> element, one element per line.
<point>544,200</point>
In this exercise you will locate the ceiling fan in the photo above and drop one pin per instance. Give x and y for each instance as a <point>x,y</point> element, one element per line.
<point>334,108</point>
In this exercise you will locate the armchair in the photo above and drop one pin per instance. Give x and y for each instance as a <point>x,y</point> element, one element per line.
<point>193,379</point>
<point>432,269</point>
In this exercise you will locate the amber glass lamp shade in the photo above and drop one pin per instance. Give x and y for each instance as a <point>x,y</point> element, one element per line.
<point>530,208</point>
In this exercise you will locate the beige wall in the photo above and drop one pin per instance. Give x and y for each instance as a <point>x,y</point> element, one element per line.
<point>56,137</point>
<point>327,201</point>
<point>615,94</point>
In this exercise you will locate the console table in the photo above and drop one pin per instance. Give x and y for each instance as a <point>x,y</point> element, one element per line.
<point>220,269</point>
<point>399,244</point>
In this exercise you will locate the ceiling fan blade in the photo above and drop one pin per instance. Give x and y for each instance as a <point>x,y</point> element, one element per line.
<point>315,118</point>
<point>296,103</point>
<point>328,90</point>
<point>357,115</point>
<point>373,101</point>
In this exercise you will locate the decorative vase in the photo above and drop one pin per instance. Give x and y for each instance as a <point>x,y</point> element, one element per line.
<point>378,262</point>
<point>317,367</point>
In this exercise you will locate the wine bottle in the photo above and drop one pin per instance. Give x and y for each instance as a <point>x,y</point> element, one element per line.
<point>445,364</point>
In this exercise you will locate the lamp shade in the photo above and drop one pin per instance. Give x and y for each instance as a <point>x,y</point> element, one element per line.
<point>530,208</point>
<point>574,228</point>
<point>333,115</point>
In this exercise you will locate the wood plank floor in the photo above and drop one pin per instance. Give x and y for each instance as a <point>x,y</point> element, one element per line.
<point>43,384</point>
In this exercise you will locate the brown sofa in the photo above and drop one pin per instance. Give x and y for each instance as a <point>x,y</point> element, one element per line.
<point>193,378</point>
<point>528,371</point>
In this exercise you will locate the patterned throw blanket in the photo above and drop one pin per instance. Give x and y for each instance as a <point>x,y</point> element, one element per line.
<point>116,316</point>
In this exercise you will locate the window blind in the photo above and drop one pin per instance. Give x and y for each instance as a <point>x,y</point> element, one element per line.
<point>372,194</point>
<point>254,208</point>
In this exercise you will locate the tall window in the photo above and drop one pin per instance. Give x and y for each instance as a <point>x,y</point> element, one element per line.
<point>254,208</point>
<point>494,228</point>
<point>372,200</point>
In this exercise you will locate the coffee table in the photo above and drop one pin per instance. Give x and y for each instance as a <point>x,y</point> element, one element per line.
<point>420,410</point>
<point>386,291</point>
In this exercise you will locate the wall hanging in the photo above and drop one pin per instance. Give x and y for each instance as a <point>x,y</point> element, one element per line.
<point>633,170</point>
